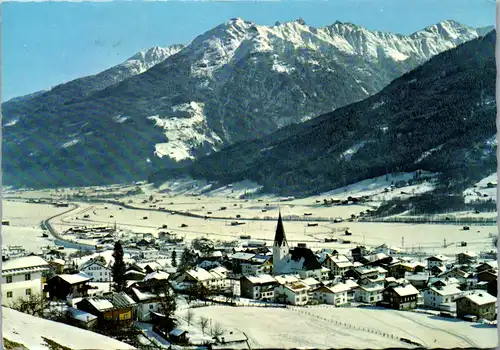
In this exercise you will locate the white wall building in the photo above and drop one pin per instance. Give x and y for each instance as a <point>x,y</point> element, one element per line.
<point>296,293</point>
<point>442,297</point>
<point>22,277</point>
<point>334,295</point>
<point>97,270</point>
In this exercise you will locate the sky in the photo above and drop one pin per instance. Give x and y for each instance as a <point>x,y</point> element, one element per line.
<point>47,43</point>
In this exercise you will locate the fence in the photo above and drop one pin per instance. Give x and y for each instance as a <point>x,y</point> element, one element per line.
<point>303,311</point>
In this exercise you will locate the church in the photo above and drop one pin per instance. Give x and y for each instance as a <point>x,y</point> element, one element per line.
<point>296,260</point>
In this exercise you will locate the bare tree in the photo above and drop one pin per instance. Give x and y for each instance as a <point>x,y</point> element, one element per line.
<point>203,323</point>
<point>189,316</point>
<point>217,330</point>
<point>34,305</point>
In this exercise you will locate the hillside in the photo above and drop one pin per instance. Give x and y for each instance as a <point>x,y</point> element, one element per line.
<point>439,117</point>
<point>236,82</point>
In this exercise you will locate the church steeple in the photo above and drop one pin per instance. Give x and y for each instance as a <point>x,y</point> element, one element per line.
<point>280,238</point>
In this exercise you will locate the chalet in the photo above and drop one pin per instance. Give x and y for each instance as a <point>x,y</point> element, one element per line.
<point>134,275</point>
<point>145,303</point>
<point>400,269</point>
<point>258,287</point>
<point>358,252</point>
<point>295,293</point>
<point>334,295</point>
<point>338,264</point>
<point>311,282</point>
<point>82,319</point>
<point>466,258</point>
<point>98,269</point>
<point>22,277</point>
<point>257,265</point>
<point>57,266</point>
<point>437,270</point>
<point>487,266</point>
<point>441,297</point>
<point>418,280</point>
<point>457,273</point>
<point>179,336</point>
<point>231,337</point>
<point>378,259</point>
<point>387,250</point>
<point>401,297</point>
<point>436,260</point>
<point>209,279</point>
<point>239,258</point>
<point>353,286</point>
<point>369,293</point>
<point>64,286</point>
<point>110,307</point>
<point>367,272</point>
<point>482,305</point>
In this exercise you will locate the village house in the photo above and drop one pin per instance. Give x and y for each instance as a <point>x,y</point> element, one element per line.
<point>209,279</point>
<point>400,269</point>
<point>401,297</point>
<point>149,254</point>
<point>378,259</point>
<point>466,258</point>
<point>257,265</point>
<point>436,261</point>
<point>481,305</point>
<point>369,293</point>
<point>260,287</point>
<point>353,286</point>
<point>98,269</point>
<point>67,286</point>
<point>237,259</point>
<point>387,250</point>
<point>456,273</point>
<point>441,297</point>
<point>358,252</point>
<point>338,264</point>
<point>110,307</point>
<point>295,293</point>
<point>57,266</point>
<point>179,336</point>
<point>145,303</point>
<point>22,277</point>
<point>487,266</point>
<point>332,295</point>
<point>82,319</point>
<point>418,280</point>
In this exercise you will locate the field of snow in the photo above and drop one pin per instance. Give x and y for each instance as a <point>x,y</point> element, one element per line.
<point>329,327</point>
<point>24,228</point>
<point>258,217</point>
<point>28,330</point>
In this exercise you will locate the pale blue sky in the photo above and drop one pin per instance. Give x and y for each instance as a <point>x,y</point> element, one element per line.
<point>47,43</point>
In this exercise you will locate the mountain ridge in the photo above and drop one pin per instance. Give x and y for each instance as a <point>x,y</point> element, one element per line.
<point>236,82</point>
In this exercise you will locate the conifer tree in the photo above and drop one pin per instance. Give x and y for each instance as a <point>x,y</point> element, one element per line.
<point>118,268</point>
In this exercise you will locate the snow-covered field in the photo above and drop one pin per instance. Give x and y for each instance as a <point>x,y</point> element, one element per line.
<point>481,191</point>
<point>329,327</point>
<point>257,214</point>
<point>29,330</point>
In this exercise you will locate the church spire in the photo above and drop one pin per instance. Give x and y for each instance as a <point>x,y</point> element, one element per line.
<point>280,238</point>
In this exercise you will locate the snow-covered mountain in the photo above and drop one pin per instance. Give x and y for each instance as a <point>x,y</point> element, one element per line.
<point>236,82</point>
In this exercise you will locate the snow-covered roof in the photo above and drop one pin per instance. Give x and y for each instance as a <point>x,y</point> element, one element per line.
<point>100,304</point>
<point>81,315</point>
<point>406,290</point>
<point>296,286</point>
<point>158,275</point>
<point>340,288</point>
<point>75,278</point>
<point>282,279</point>
<point>469,254</point>
<point>390,279</point>
<point>219,270</point>
<point>446,290</point>
<point>481,298</point>
<point>351,284</point>
<point>242,256</point>
<point>24,263</point>
<point>142,296</point>
<point>200,274</point>
<point>261,279</point>
<point>310,281</point>
<point>380,269</point>
<point>439,257</point>
<point>58,261</point>
<point>375,257</point>
<point>177,332</point>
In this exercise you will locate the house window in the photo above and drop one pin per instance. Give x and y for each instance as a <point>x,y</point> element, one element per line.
<point>28,292</point>
<point>27,276</point>
<point>151,306</point>
<point>8,279</point>
<point>9,294</point>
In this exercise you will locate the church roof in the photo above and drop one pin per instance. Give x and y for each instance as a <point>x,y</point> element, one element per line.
<point>280,238</point>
